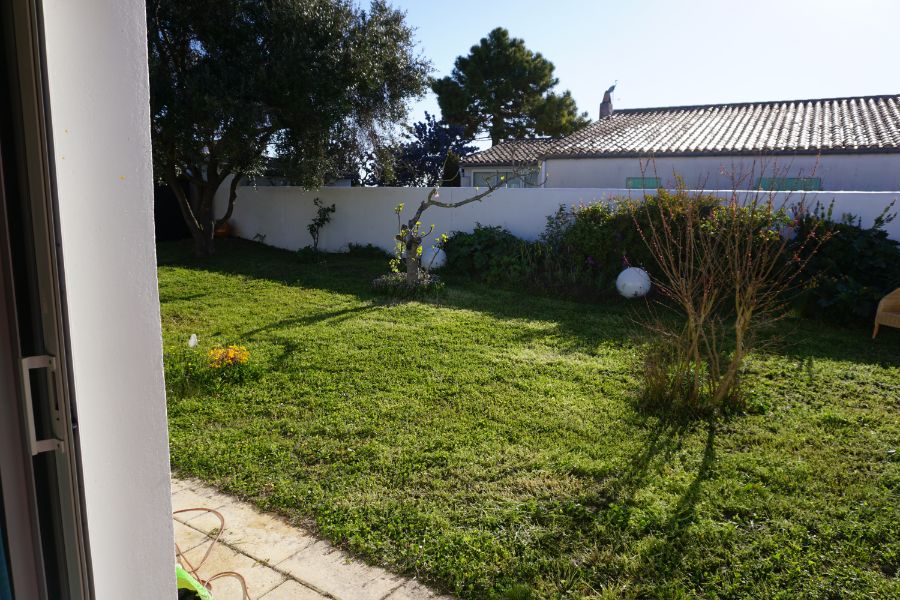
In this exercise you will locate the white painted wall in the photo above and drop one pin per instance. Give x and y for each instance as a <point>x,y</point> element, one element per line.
<point>365,215</point>
<point>844,172</point>
<point>99,100</point>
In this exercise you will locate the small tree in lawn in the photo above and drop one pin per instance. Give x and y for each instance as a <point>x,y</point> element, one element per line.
<point>411,233</point>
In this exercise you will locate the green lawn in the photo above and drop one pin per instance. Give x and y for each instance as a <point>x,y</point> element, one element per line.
<point>488,443</point>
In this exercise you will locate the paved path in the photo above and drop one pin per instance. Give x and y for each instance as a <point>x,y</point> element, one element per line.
<point>278,561</point>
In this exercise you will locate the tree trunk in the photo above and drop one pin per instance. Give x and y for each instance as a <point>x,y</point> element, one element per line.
<point>198,205</point>
<point>204,235</point>
<point>412,267</point>
<point>204,245</point>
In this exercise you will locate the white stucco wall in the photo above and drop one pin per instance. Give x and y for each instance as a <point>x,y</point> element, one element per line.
<point>365,215</point>
<point>99,100</point>
<point>842,172</point>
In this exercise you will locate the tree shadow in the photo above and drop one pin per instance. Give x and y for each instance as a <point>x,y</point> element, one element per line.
<point>616,504</point>
<point>811,340</point>
<point>164,298</point>
<point>288,350</point>
<point>664,440</point>
<point>684,513</point>
<point>579,326</point>
<point>332,317</point>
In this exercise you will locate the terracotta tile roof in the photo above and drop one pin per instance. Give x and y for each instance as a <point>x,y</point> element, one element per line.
<point>510,152</point>
<point>832,125</point>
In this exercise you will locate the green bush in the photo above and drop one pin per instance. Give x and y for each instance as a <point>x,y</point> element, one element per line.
<point>367,251</point>
<point>603,236</point>
<point>308,255</point>
<point>852,271</point>
<point>494,255</point>
<point>606,236</point>
<point>488,254</point>
<point>580,253</point>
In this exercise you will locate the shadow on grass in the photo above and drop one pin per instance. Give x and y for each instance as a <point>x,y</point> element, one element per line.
<point>183,298</point>
<point>667,557</point>
<point>811,340</point>
<point>332,317</point>
<point>581,326</point>
<point>618,496</point>
<point>664,440</point>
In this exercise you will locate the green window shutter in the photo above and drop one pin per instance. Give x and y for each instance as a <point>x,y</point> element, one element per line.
<point>790,184</point>
<point>642,183</point>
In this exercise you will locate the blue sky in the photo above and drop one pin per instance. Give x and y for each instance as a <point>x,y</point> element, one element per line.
<point>666,53</point>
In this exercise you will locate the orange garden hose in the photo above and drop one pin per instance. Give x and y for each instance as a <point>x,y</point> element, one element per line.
<point>193,569</point>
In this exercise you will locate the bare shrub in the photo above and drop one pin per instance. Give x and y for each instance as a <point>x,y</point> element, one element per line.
<point>723,269</point>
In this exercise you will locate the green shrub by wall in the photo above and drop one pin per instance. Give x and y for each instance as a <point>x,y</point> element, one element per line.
<point>488,254</point>
<point>852,271</point>
<point>580,253</point>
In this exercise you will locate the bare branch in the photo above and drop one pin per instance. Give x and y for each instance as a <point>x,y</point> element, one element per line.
<point>185,206</point>
<point>232,196</point>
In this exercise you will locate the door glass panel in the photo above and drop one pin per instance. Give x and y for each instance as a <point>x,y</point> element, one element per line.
<point>47,514</point>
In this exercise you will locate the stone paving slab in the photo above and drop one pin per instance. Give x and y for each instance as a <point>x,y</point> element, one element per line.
<point>266,537</point>
<point>259,578</point>
<point>291,590</point>
<point>329,570</point>
<point>196,497</point>
<point>413,590</point>
<point>276,559</point>
<point>187,537</point>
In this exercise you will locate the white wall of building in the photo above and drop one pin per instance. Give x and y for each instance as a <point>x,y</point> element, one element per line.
<point>366,216</point>
<point>99,100</point>
<point>843,172</point>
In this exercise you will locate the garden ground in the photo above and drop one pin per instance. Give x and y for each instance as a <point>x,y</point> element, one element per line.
<point>488,441</point>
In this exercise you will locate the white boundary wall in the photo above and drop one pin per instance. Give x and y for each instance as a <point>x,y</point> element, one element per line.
<point>366,215</point>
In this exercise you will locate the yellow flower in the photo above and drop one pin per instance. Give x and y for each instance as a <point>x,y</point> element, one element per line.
<point>228,356</point>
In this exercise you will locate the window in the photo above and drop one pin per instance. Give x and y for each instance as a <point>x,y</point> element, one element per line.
<point>509,179</point>
<point>642,183</point>
<point>791,184</point>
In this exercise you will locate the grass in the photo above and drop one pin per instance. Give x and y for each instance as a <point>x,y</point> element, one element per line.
<point>489,442</point>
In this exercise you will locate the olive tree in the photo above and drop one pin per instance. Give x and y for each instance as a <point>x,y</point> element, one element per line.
<point>234,83</point>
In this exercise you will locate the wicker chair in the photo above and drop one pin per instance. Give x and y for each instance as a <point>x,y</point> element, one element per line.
<point>888,311</point>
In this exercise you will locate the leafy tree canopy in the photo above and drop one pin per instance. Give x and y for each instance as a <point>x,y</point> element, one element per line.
<point>505,90</point>
<point>312,82</point>
<point>430,156</point>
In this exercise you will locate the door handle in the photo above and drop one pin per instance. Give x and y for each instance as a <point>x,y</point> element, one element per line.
<point>29,364</point>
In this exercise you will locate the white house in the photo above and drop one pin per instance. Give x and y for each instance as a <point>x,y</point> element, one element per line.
<point>822,144</point>
<point>516,161</point>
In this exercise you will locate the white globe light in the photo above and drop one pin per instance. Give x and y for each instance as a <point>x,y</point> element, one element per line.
<point>633,282</point>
